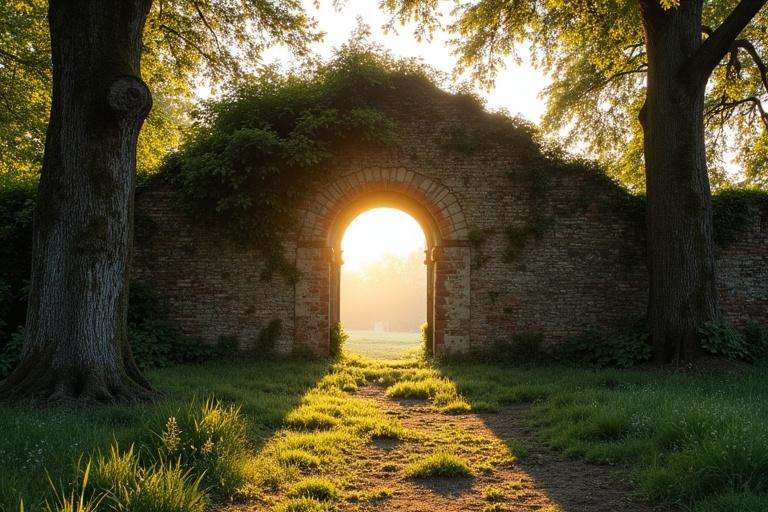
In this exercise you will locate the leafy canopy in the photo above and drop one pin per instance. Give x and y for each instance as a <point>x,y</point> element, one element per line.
<point>186,43</point>
<point>262,148</point>
<point>594,53</point>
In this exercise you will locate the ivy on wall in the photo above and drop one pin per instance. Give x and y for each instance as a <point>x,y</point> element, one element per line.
<point>265,147</point>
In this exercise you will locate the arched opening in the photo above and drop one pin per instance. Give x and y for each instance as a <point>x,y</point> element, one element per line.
<point>383,283</point>
<point>437,210</point>
<point>406,206</point>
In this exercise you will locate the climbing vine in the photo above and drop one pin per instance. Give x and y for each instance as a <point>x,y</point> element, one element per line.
<point>263,148</point>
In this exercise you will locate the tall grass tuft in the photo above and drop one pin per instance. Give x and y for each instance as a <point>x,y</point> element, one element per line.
<point>438,465</point>
<point>80,499</point>
<point>209,438</point>
<point>163,487</point>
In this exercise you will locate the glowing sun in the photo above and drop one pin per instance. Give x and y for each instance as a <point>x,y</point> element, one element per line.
<point>377,232</point>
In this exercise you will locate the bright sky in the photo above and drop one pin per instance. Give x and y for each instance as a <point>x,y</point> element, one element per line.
<point>517,88</point>
<point>377,232</point>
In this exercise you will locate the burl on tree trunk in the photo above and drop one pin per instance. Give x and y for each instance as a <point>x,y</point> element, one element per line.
<point>75,344</point>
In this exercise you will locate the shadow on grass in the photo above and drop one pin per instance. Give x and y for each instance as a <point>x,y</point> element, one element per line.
<point>37,443</point>
<point>695,439</point>
<point>504,398</point>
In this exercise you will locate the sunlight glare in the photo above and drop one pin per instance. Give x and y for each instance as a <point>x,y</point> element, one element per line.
<point>377,232</point>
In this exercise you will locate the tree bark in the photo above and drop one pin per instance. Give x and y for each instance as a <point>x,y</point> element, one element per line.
<point>681,261</point>
<point>75,346</point>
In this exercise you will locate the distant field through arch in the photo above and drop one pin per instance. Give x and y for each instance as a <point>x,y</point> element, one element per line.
<point>383,283</point>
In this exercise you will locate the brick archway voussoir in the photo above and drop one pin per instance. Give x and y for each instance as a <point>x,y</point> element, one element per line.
<point>441,203</point>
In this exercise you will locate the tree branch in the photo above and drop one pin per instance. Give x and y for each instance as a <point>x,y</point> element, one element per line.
<point>717,45</point>
<point>725,105</point>
<point>208,26</point>
<point>750,49</point>
<point>642,68</point>
<point>199,50</point>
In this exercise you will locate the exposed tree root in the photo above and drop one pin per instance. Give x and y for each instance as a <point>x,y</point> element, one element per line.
<point>35,381</point>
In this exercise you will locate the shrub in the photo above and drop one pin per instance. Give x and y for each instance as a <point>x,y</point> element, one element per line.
<point>721,338</point>
<point>155,341</point>
<point>620,350</point>
<point>521,347</point>
<point>425,339</point>
<point>228,346</point>
<point>338,338</point>
<point>11,352</point>
<point>17,205</point>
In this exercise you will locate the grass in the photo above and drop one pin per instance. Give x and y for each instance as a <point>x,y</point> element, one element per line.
<point>37,443</point>
<point>438,465</point>
<point>493,494</point>
<point>319,489</point>
<point>283,433</point>
<point>699,440</point>
<point>383,345</point>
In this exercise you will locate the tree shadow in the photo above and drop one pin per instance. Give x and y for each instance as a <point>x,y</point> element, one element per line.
<point>575,485</point>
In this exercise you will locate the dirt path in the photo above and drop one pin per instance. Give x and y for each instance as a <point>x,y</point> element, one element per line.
<point>539,480</point>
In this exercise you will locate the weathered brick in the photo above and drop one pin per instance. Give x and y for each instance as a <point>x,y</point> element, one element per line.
<point>584,269</point>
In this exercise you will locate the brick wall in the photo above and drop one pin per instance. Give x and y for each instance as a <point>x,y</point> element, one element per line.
<point>470,179</point>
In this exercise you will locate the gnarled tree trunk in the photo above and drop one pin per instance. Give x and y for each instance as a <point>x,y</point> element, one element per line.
<point>75,346</point>
<point>681,260</point>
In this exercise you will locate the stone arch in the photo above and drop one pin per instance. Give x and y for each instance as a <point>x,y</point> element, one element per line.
<point>325,218</point>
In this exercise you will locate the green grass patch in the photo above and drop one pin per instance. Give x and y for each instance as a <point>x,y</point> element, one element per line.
<point>303,504</point>
<point>493,494</point>
<point>320,489</point>
<point>375,494</point>
<point>299,458</point>
<point>39,442</point>
<point>694,439</point>
<point>439,464</point>
<point>262,428</point>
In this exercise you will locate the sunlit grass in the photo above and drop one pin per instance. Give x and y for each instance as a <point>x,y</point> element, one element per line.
<point>439,464</point>
<point>276,426</point>
<point>36,442</point>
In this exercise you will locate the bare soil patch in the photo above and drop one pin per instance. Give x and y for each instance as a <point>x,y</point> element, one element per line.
<point>538,480</point>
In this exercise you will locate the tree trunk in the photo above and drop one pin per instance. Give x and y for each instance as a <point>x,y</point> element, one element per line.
<point>75,344</point>
<point>681,260</point>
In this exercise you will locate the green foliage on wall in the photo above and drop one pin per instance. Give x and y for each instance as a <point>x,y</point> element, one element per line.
<point>267,339</point>
<point>721,338</point>
<point>267,145</point>
<point>338,338</point>
<point>155,341</point>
